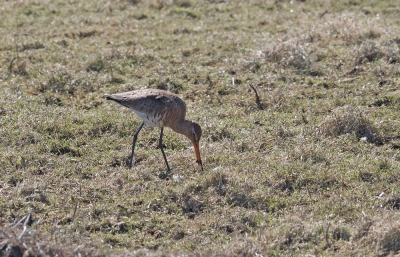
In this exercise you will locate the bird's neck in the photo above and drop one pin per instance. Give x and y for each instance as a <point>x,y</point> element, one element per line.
<point>182,127</point>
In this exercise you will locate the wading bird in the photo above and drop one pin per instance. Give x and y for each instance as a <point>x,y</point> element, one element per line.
<point>159,108</point>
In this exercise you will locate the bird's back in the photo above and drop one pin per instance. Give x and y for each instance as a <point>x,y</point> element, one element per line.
<point>156,107</point>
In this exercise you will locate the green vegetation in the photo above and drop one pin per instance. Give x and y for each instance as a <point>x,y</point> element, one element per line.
<point>312,169</point>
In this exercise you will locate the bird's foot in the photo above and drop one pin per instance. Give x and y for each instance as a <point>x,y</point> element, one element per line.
<point>165,175</point>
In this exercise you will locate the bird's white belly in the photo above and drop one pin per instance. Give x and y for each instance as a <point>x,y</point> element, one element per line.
<point>150,119</point>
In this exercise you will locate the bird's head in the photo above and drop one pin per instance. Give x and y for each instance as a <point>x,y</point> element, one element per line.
<point>194,135</point>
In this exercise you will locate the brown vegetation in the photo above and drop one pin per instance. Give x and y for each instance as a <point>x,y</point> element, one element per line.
<point>308,167</point>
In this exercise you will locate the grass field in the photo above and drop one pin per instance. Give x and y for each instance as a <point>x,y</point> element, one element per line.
<point>313,169</point>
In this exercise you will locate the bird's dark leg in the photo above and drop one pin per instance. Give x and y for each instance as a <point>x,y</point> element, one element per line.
<point>160,145</point>
<point>134,143</point>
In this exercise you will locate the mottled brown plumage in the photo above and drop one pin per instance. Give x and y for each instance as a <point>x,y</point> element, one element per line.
<point>159,108</point>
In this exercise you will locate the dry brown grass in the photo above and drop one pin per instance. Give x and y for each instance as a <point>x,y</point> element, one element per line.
<point>375,236</point>
<point>22,242</point>
<point>349,120</point>
<point>313,172</point>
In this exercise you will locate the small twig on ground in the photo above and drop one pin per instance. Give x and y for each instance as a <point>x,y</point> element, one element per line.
<point>257,98</point>
<point>327,235</point>
<point>28,217</point>
<point>73,215</point>
<point>322,14</point>
<point>25,218</point>
<point>22,233</point>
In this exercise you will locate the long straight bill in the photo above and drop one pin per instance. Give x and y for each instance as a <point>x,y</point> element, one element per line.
<point>197,150</point>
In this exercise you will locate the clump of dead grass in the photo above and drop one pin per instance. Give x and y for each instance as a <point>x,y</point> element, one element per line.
<point>368,51</point>
<point>18,66</point>
<point>392,47</point>
<point>291,53</point>
<point>349,120</point>
<point>382,232</point>
<point>26,242</point>
<point>377,234</point>
<point>303,50</point>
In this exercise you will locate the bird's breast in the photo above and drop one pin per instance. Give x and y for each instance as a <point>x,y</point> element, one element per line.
<point>151,119</point>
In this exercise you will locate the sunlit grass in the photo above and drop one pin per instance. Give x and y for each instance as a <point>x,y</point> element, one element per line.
<point>315,171</point>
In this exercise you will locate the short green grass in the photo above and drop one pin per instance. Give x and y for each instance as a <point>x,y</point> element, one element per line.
<point>314,172</point>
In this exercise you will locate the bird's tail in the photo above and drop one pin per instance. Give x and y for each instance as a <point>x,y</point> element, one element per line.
<point>115,99</point>
<point>111,97</point>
